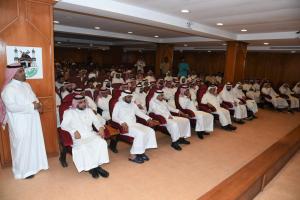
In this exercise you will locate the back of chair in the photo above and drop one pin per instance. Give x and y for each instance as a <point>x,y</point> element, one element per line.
<point>88,93</point>
<point>96,93</point>
<point>116,85</point>
<point>64,136</point>
<point>200,92</point>
<point>220,88</point>
<point>149,97</point>
<point>112,103</point>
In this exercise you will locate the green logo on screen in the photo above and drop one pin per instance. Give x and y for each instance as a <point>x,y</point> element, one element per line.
<point>31,72</point>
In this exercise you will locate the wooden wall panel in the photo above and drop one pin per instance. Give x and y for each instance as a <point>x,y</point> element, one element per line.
<point>101,57</point>
<point>33,26</point>
<point>277,67</point>
<point>163,50</point>
<point>201,62</point>
<point>235,61</point>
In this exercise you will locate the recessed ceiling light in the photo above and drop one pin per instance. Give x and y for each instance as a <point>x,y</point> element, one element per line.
<point>219,24</point>
<point>56,22</point>
<point>244,30</point>
<point>293,51</point>
<point>266,43</point>
<point>156,36</point>
<point>97,27</point>
<point>58,42</point>
<point>224,44</point>
<point>208,51</point>
<point>185,45</point>
<point>185,11</point>
<point>130,32</point>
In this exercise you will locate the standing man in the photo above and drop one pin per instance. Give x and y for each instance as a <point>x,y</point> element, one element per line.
<point>183,68</point>
<point>165,66</point>
<point>20,108</point>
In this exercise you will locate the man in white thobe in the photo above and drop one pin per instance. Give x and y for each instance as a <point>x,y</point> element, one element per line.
<point>117,79</point>
<point>178,127</point>
<point>89,149</point>
<point>124,113</point>
<point>275,99</point>
<point>20,108</point>
<point>169,93</point>
<point>212,99</point>
<point>150,77</point>
<point>139,97</point>
<point>67,89</point>
<point>285,90</point>
<point>204,121</point>
<point>140,65</point>
<point>296,88</point>
<point>103,103</point>
<point>240,110</point>
<point>250,103</point>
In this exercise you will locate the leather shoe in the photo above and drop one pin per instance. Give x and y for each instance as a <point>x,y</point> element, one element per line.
<point>183,141</point>
<point>102,172</point>
<point>137,159</point>
<point>176,146</point>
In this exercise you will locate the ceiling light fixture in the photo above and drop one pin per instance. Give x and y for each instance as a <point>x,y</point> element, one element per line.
<point>56,22</point>
<point>156,36</point>
<point>97,27</point>
<point>185,45</point>
<point>244,30</point>
<point>293,51</point>
<point>130,32</point>
<point>224,44</point>
<point>185,11</point>
<point>58,42</point>
<point>209,51</point>
<point>266,43</point>
<point>219,24</point>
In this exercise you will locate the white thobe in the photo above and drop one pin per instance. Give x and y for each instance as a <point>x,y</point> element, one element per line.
<point>64,94</point>
<point>90,150</point>
<point>296,89</point>
<point>177,126</point>
<point>255,95</point>
<point>246,86</point>
<point>58,103</point>
<point>140,99</point>
<point>224,115</point>
<point>168,78</point>
<point>103,104</point>
<point>25,130</point>
<point>240,111</point>
<point>277,101</point>
<point>144,136</point>
<point>194,95</point>
<point>250,103</point>
<point>169,94</point>
<point>150,79</point>
<point>294,101</point>
<point>91,103</point>
<point>117,80</point>
<point>204,120</point>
